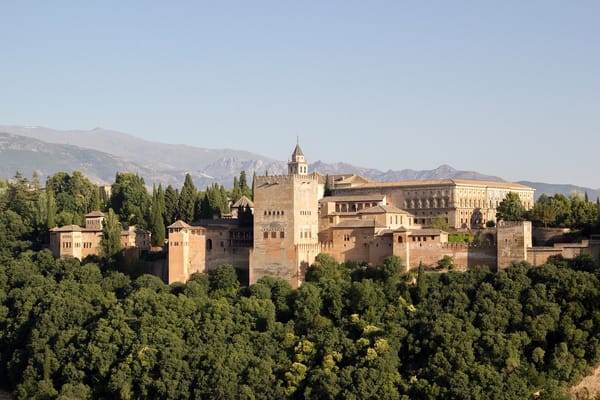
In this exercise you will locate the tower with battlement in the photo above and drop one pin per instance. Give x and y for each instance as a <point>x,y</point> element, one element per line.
<point>286,218</point>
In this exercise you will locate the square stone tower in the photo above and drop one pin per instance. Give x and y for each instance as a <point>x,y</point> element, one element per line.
<point>187,251</point>
<point>286,219</point>
<point>513,240</point>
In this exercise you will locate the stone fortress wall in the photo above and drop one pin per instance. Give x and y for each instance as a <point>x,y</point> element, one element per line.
<point>362,221</point>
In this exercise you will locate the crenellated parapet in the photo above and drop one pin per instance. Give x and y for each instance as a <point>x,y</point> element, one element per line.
<point>278,179</point>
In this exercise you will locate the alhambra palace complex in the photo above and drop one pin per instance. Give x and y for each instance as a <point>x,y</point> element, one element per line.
<point>361,221</point>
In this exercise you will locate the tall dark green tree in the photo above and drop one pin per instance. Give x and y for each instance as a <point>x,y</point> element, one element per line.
<point>215,201</point>
<point>236,192</point>
<point>421,291</point>
<point>224,200</point>
<point>21,199</point>
<point>511,208</point>
<point>96,201</point>
<point>157,224</point>
<point>253,180</point>
<point>327,189</point>
<point>130,199</point>
<point>110,245</point>
<point>50,208</point>
<point>198,206</point>
<point>187,200</point>
<point>171,205</point>
<point>244,188</point>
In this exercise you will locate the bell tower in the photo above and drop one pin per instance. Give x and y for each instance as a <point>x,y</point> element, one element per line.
<point>298,165</point>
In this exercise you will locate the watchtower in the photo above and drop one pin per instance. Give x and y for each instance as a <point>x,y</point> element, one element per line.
<point>285,223</point>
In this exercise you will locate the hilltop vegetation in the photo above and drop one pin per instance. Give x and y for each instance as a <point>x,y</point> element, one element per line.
<point>71,331</point>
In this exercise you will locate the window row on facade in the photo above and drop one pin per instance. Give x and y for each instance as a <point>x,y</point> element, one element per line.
<point>273,213</point>
<point>273,235</point>
<point>353,207</point>
<point>427,203</point>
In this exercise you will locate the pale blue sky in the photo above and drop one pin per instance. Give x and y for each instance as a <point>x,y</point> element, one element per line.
<point>508,88</point>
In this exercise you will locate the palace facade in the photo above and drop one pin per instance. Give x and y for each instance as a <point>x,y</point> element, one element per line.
<point>461,203</point>
<point>361,221</point>
<point>80,242</point>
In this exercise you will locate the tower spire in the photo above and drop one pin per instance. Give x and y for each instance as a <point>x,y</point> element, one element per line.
<point>297,166</point>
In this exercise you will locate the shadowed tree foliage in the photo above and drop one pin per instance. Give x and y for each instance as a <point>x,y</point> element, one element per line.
<point>327,188</point>
<point>187,200</point>
<point>110,245</point>
<point>245,189</point>
<point>130,199</point>
<point>171,205</point>
<point>70,332</point>
<point>70,329</point>
<point>157,225</point>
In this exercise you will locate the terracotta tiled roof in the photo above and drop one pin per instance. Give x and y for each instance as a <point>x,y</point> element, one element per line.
<point>382,210</point>
<point>433,182</point>
<point>351,179</point>
<point>357,223</point>
<point>243,202</point>
<point>94,214</point>
<point>69,228</point>
<point>179,224</point>
<point>224,223</point>
<point>427,232</point>
<point>365,197</point>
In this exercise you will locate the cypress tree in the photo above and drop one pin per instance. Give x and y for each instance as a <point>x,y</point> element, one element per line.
<point>253,180</point>
<point>223,200</point>
<point>95,203</point>
<point>110,245</point>
<point>187,200</point>
<point>421,283</point>
<point>171,203</point>
<point>327,189</point>
<point>205,210</point>
<point>236,192</point>
<point>198,206</point>
<point>157,225</point>
<point>245,189</point>
<point>50,208</point>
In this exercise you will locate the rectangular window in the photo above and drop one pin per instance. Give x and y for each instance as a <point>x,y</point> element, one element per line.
<point>281,235</point>
<point>273,235</point>
<point>265,235</point>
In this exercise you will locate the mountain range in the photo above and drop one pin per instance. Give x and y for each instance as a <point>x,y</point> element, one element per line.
<point>100,153</point>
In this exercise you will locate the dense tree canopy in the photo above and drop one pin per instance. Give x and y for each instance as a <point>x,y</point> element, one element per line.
<point>130,199</point>
<point>69,331</point>
<point>559,211</point>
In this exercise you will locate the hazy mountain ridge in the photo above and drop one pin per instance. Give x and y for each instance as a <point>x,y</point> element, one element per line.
<point>551,189</point>
<point>47,151</point>
<point>441,172</point>
<point>26,155</point>
<point>161,156</point>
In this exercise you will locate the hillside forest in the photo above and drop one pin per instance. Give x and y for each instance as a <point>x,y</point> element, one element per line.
<point>93,330</point>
